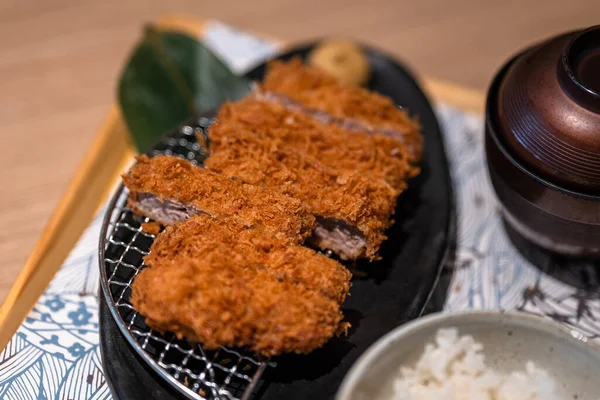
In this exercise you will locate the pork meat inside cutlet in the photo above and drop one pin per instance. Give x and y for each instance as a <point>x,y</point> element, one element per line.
<point>222,285</point>
<point>357,207</point>
<point>169,189</point>
<point>316,92</point>
<point>203,234</point>
<point>378,156</point>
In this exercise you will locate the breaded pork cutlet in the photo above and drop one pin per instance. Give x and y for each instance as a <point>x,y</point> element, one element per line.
<point>201,234</point>
<point>221,301</point>
<point>321,95</point>
<point>208,281</point>
<point>352,210</point>
<point>169,189</point>
<point>378,156</point>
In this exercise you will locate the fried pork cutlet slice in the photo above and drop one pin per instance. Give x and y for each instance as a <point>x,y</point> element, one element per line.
<point>213,281</point>
<point>321,95</point>
<point>201,235</point>
<point>379,156</point>
<point>352,210</point>
<point>169,189</point>
<point>220,300</point>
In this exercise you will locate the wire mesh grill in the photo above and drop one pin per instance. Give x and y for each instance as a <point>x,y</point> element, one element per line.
<point>198,373</point>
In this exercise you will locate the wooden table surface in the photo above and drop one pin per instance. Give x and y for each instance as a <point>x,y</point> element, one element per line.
<point>60,59</point>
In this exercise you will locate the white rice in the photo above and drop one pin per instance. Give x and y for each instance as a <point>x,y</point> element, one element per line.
<point>453,368</point>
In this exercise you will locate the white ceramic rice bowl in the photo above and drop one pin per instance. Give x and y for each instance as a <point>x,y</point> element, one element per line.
<point>510,339</point>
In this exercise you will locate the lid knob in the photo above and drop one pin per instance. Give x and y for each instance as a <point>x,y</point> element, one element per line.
<point>579,68</point>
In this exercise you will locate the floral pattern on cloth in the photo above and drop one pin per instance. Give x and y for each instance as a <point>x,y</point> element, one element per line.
<point>55,352</point>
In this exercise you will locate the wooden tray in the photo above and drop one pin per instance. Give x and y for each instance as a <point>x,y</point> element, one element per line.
<point>110,153</point>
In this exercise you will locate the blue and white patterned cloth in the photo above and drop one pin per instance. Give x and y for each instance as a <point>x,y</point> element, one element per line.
<point>55,352</point>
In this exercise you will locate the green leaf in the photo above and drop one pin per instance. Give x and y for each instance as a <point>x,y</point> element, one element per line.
<point>169,78</point>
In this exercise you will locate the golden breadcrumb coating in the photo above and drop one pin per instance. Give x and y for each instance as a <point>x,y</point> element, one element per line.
<point>328,192</point>
<point>379,156</point>
<point>221,301</point>
<point>202,234</point>
<point>172,178</point>
<point>214,282</point>
<point>151,228</point>
<point>317,90</point>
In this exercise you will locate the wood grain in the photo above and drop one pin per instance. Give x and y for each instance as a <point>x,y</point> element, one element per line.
<point>86,192</point>
<point>60,60</point>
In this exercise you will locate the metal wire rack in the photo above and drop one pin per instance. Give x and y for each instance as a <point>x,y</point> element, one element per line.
<point>199,374</point>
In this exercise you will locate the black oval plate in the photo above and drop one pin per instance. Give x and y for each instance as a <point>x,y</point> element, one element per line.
<point>391,292</point>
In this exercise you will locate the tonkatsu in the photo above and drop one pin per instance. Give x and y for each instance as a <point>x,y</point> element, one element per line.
<point>324,97</point>
<point>352,210</point>
<point>202,234</point>
<point>212,281</point>
<point>303,160</point>
<point>169,189</point>
<point>376,155</point>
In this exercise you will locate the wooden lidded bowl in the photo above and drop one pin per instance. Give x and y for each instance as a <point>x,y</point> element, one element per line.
<point>543,143</point>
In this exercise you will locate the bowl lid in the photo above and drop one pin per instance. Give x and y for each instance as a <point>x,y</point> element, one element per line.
<point>548,109</point>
